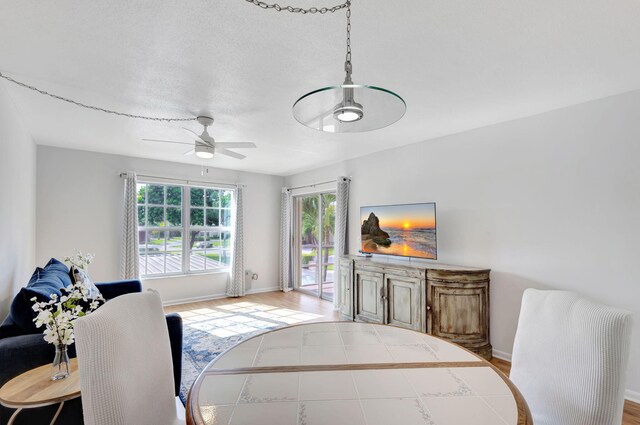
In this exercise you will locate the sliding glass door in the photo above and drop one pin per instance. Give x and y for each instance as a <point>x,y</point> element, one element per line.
<point>314,222</point>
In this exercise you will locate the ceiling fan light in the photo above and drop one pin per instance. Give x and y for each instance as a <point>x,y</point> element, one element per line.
<point>204,155</point>
<point>204,151</point>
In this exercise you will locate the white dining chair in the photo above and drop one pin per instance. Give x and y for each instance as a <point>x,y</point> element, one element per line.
<point>124,359</point>
<point>570,358</point>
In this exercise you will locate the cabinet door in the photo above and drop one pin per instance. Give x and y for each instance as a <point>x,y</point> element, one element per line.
<point>369,297</point>
<point>405,301</point>
<point>346,290</point>
<point>460,314</point>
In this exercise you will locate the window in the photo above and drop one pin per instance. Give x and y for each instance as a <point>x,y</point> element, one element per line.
<point>183,229</point>
<point>210,228</point>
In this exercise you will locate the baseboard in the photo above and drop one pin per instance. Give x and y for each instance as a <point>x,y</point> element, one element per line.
<point>261,290</point>
<point>194,299</point>
<point>216,296</point>
<point>501,355</point>
<point>629,395</point>
<point>633,396</point>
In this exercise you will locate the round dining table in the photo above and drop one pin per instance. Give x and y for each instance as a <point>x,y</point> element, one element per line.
<point>336,373</point>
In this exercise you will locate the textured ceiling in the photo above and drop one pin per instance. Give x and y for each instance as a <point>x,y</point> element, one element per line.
<point>458,64</point>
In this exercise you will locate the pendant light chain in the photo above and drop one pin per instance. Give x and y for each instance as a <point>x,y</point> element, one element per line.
<point>311,10</point>
<point>347,64</point>
<point>95,108</point>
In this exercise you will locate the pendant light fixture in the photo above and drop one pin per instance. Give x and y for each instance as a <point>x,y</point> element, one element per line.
<point>349,107</point>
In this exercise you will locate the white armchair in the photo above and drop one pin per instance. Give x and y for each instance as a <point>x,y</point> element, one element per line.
<point>570,359</point>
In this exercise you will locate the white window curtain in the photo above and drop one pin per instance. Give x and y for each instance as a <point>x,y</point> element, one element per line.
<point>341,231</point>
<point>235,288</point>
<point>129,265</point>
<point>286,281</point>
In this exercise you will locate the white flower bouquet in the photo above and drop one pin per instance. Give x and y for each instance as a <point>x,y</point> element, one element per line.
<point>59,313</point>
<point>79,260</point>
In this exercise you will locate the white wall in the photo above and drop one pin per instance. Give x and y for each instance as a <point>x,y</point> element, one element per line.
<point>550,201</point>
<point>17,202</point>
<point>80,199</point>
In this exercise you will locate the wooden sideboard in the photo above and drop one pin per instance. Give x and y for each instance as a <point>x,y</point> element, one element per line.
<point>450,302</point>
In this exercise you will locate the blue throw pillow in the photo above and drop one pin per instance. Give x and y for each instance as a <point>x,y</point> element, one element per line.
<point>43,283</point>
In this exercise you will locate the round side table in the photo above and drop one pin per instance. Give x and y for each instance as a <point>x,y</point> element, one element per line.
<point>35,388</point>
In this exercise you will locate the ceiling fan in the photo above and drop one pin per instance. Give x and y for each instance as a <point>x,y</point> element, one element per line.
<point>205,146</point>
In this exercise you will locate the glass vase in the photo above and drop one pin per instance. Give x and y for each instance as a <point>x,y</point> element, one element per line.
<point>60,366</point>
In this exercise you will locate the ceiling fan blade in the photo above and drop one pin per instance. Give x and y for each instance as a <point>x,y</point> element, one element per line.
<point>229,153</point>
<point>197,136</point>
<point>167,141</point>
<point>235,145</point>
<point>189,152</point>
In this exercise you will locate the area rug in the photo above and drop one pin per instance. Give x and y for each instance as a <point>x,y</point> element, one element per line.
<point>208,332</point>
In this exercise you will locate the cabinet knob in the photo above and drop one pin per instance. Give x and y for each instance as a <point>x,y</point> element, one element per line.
<point>428,307</point>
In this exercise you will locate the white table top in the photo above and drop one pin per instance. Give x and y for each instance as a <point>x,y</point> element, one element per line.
<point>352,373</point>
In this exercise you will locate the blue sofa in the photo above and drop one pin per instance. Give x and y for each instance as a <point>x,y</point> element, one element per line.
<point>20,351</point>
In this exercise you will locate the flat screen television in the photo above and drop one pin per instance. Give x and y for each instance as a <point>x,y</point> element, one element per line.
<point>407,230</point>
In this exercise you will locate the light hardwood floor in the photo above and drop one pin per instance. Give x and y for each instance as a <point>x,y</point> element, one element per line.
<point>309,304</point>
<point>291,300</point>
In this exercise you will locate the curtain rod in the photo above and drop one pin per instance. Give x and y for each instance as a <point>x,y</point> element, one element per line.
<point>317,184</point>
<point>188,182</point>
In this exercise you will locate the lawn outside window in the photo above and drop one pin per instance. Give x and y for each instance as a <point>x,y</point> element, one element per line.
<point>183,229</point>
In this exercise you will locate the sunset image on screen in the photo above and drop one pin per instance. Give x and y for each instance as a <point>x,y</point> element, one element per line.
<point>407,230</point>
